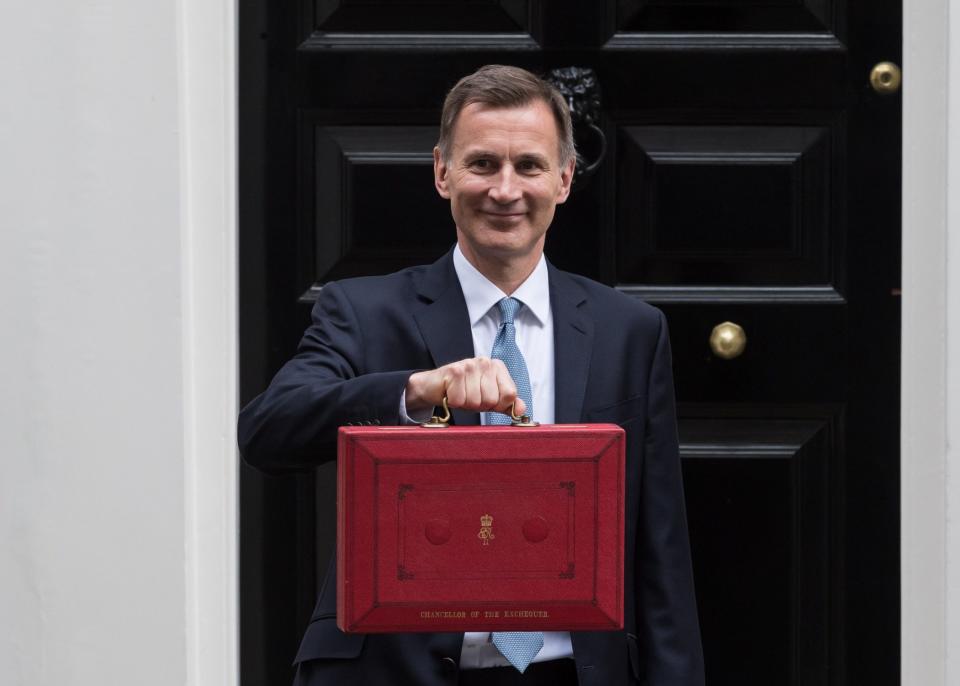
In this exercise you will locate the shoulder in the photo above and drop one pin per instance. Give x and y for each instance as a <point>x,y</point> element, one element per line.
<point>389,286</point>
<point>408,289</point>
<point>367,307</point>
<point>609,304</point>
<point>372,294</point>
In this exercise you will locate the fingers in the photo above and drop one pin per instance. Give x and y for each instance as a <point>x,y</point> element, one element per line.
<point>480,384</point>
<point>508,390</point>
<point>489,387</point>
<point>454,386</point>
<point>472,384</point>
<point>425,389</point>
<point>519,407</point>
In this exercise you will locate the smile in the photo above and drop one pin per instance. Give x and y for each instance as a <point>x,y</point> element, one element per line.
<point>504,214</point>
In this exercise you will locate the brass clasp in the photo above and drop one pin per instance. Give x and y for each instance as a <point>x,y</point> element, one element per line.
<point>443,422</point>
<point>523,420</point>
<point>436,422</point>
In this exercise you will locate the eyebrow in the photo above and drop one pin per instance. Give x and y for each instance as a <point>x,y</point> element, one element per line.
<point>535,157</point>
<point>527,156</point>
<point>473,154</point>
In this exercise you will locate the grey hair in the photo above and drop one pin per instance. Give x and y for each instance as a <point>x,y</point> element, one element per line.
<point>497,85</point>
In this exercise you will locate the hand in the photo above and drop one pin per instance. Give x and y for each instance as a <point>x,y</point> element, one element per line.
<point>477,383</point>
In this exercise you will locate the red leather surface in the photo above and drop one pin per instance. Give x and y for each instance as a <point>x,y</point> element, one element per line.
<point>417,552</point>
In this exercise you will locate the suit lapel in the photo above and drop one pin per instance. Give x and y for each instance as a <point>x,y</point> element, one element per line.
<point>444,322</point>
<point>572,345</point>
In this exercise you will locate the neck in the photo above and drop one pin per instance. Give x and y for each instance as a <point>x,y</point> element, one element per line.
<point>505,274</point>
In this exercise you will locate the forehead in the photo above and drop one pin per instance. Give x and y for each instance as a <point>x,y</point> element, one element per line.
<point>480,125</point>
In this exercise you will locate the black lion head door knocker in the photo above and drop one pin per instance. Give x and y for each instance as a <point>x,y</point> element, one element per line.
<point>581,89</point>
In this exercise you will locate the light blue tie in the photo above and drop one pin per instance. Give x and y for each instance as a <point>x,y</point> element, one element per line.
<point>505,348</point>
<point>519,647</point>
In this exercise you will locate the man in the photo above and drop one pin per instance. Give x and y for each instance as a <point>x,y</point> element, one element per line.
<point>488,325</point>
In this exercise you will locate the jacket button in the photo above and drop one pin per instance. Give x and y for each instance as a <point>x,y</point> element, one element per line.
<point>376,422</point>
<point>449,664</point>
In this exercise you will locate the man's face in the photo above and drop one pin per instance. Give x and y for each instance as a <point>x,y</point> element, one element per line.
<point>503,180</point>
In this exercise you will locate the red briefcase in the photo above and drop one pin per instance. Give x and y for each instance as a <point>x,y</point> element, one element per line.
<point>480,528</point>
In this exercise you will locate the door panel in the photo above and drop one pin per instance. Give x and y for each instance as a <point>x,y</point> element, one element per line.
<point>423,15</point>
<point>762,488</point>
<point>751,175</point>
<point>727,206</point>
<point>745,16</point>
<point>352,235</point>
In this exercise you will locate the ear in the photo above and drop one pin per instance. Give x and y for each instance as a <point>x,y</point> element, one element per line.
<point>440,174</point>
<point>566,181</point>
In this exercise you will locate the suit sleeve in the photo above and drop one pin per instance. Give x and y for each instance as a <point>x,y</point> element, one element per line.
<point>294,422</point>
<point>667,612</point>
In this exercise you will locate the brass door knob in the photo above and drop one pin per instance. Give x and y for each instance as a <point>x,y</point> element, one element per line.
<point>727,340</point>
<point>885,78</point>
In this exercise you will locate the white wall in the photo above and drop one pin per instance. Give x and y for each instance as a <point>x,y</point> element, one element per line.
<point>116,511</point>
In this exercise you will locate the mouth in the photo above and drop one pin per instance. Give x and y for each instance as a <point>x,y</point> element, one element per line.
<point>504,215</point>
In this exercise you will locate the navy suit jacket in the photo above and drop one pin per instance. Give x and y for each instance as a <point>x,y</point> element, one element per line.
<point>613,364</point>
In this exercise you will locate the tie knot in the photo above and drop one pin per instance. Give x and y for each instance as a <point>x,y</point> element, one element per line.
<point>508,309</point>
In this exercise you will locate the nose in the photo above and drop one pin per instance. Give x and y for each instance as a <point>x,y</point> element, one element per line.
<point>506,187</point>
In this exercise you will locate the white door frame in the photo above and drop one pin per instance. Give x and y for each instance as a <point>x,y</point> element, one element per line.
<point>930,170</point>
<point>207,85</point>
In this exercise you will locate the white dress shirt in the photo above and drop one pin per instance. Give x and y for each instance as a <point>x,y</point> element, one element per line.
<point>534,328</point>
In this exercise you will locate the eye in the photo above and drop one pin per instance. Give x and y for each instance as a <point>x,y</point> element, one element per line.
<point>528,166</point>
<point>481,163</point>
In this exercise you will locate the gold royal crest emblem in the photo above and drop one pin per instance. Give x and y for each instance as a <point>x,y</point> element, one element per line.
<point>486,529</point>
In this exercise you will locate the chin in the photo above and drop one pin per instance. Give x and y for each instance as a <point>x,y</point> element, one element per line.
<point>502,239</point>
<point>501,242</point>
<point>506,249</point>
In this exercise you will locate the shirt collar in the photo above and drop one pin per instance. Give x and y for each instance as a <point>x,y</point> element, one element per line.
<point>481,294</point>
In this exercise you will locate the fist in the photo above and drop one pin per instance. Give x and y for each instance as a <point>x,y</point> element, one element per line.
<point>478,383</point>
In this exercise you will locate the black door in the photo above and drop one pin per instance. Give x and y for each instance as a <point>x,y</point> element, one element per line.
<point>750,177</point>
